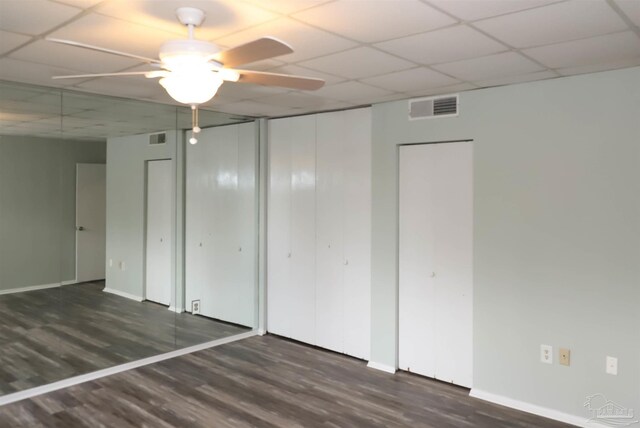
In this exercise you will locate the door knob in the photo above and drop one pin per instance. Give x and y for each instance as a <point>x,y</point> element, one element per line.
<point>80,228</point>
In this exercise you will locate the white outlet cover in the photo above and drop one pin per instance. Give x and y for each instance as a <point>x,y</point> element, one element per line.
<point>546,354</point>
<point>612,366</point>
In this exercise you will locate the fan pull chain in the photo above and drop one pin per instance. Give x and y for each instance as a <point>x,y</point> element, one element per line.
<point>195,129</point>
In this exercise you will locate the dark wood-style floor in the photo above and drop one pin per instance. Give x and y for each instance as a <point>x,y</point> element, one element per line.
<point>264,382</point>
<point>52,334</point>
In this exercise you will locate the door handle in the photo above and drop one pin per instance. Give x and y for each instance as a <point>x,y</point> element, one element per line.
<point>79,228</point>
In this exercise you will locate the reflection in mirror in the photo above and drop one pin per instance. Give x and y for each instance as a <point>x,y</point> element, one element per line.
<point>97,211</point>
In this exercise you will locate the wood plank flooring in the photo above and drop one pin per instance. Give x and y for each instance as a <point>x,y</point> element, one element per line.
<point>52,334</point>
<point>264,382</point>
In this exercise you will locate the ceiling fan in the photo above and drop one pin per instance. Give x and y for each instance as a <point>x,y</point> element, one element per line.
<point>191,70</point>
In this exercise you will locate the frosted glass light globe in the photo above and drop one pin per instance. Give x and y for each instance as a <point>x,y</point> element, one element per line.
<point>192,87</point>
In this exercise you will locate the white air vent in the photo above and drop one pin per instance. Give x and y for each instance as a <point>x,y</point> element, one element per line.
<point>160,138</point>
<point>440,106</point>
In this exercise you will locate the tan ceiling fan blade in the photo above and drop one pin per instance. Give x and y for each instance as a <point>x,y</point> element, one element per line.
<point>124,73</point>
<point>100,49</point>
<point>262,48</point>
<point>282,80</point>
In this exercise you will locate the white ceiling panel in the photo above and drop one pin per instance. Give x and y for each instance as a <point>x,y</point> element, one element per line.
<point>28,72</point>
<point>373,21</point>
<point>252,108</point>
<point>82,4</point>
<point>296,100</point>
<point>353,92</point>
<point>493,66</point>
<point>416,79</point>
<point>10,41</point>
<point>471,10</point>
<point>286,7</point>
<point>574,19</point>
<point>633,62</point>
<point>596,50</point>
<point>126,87</point>
<point>245,91</point>
<point>222,17</point>
<point>446,45</point>
<point>58,55</point>
<point>509,80</point>
<point>33,16</point>
<point>307,42</point>
<point>460,87</point>
<point>115,34</point>
<point>358,63</point>
<point>307,72</point>
<point>631,8</point>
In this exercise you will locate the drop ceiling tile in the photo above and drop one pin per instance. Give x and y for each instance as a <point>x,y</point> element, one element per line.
<point>374,21</point>
<point>471,10</point>
<point>57,55</point>
<point>574,19</point>
<point>222,17</point>
<point>611,65</point>
<point>452,89</point>
<point>530,77</point>
<point>592,51</point>
<point>82,4</point>
<point>246,91</point>
<point>487,67</point>
<point>411,80</point>
<point>307,42</point>
<point>252,108</point>
<point>446,45</point>
<point>126,87</point>
<point>33,16</point>
<point>295,100</point>
<point>631,8</point>
<point>358,63</point>
<point>306,72</point>
<point>103,31</point>
<point>353,92</point>
<point>10,41</point>
<point>286,7</point>
<point>28,72</point>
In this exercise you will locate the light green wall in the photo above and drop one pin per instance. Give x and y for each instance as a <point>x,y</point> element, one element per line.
<point>126,198</point>
<point>556,240</point>
<point>37,208</point>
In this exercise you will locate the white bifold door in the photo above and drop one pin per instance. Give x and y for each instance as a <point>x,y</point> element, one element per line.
<point>159,240</point>
<point>221,227</point>
<point>319,230</point>
<point>436,261</point>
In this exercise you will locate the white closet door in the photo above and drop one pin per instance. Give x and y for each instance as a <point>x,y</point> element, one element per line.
<point>357,232</point>
<point>159,242</point>
<point>302,270</point>
<point>279,228</point>
<point>330,302</point>
<point>436,254</point>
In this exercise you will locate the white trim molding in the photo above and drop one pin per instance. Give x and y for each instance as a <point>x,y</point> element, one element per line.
<point>382,367</point>
<point>123,294</point>
<point>33,392</point>
<point>176,310</point>
<point>69,282</point>
<point>535,409</point>
<point>30,288</point>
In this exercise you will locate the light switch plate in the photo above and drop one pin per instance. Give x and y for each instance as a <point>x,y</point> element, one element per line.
<point>564,357</point>
<point>546,354</point>
<point>612,366</point>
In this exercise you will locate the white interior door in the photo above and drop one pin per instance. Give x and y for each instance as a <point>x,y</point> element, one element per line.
<point>436,261</point>
<point>159,232</point>
<point>90,221</point>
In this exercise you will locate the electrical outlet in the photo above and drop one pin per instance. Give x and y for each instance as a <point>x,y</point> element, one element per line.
<point>546,354</point>
<point>195,307</point>
<point>565,356</point>
<point>612,366</point>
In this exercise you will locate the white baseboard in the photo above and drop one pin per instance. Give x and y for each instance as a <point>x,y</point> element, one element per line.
<point>535,409</point>
<point>176,310</point>
<point>39,390</point>
<point>69,282</point>
<point>29,288</point>
<point>261,331</point>
<point>123,294</point>
<point>381,367</point>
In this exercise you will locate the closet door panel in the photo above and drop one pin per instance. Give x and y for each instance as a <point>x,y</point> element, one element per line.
<point>303,229</point>
<point>279,228</point>
<point>329,246</point>
<point>357,232</point>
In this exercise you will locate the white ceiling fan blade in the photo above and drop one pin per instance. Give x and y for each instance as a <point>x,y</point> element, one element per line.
<point>263,48</point>
<point>124,73</point>
<point>100,49</point>
<point>282,80</point>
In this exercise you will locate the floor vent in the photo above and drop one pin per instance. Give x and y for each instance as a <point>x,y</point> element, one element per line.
<point>440,106</point>
<point>160,138</point>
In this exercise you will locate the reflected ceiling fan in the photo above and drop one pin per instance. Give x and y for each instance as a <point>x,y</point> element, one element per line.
<point>191,70</point>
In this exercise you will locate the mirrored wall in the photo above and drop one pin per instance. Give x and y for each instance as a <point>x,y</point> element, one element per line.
<point>119,240</point>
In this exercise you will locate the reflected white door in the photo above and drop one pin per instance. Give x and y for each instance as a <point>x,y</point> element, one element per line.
<point>436,256</point>
<point>90,221</point>
<point>159,239</point>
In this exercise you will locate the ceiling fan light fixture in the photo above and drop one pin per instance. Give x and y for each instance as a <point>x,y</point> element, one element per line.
<point>192,87</point>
